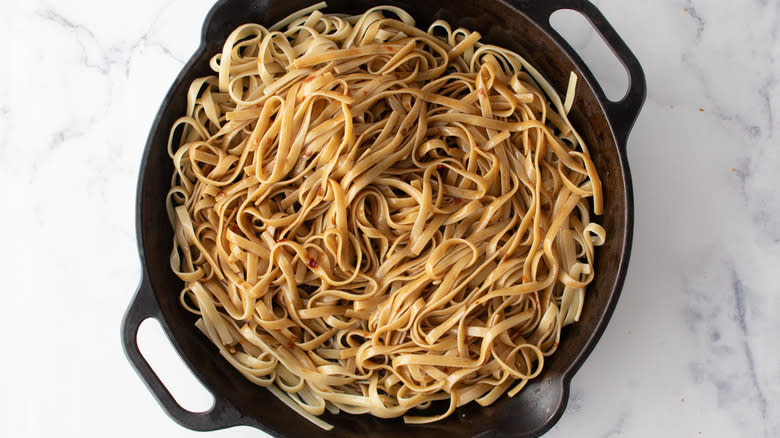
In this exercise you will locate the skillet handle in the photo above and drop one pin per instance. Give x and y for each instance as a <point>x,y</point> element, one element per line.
<point>144,305</point>
<point>623,113</point>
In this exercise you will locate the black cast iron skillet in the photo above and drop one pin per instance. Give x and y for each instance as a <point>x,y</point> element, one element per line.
<point>521,25</point>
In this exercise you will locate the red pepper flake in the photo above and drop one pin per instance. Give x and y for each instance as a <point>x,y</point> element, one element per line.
<point>446,370</point>
<point>555,344</point>
<point>312,263</point>
<point>404,132</point>
<point>365,93</point>
<point>280,240</point>
<point>390,48</point>
<point>221,194</point>
<point>310,78</point>
<point>506,257</point>
<point>481,92</point>
<point>457,201</point>
<point>440,167</point>
<point>546,207</point>
<point>308,154</point>
<point>321,191</point>
<point>290,345</point>
<point>235,229</point>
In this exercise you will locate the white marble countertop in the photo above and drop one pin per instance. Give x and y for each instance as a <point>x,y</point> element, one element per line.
<point>691,350</point>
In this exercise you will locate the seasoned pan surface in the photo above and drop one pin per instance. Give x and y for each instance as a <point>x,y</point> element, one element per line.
<point>520,25</point>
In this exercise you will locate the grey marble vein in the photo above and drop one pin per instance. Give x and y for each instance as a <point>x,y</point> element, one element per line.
<point>739,298</point>
<point>616,430</point>
<point>766,100</point>
<point>90,47</point>
<point>722,320</point>
<point>107,56</point>
<point>691,10</point>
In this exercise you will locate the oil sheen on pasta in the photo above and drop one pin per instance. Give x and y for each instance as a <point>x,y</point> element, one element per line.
<point>370,217</point>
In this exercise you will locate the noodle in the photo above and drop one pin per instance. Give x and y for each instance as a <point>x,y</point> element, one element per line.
<point>369,217</point>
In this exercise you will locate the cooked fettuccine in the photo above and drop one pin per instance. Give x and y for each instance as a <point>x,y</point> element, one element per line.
<point>370,217</point>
